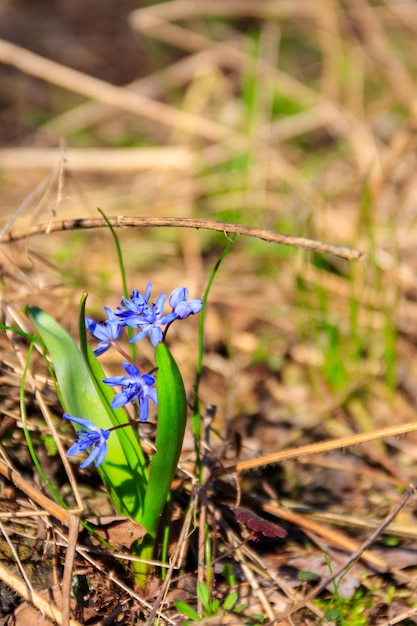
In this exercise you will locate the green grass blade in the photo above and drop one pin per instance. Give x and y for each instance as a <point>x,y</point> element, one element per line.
<point>122,275</point>
<point>199,369</point>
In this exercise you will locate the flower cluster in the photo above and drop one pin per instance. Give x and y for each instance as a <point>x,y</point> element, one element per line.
<point>150,321</point>
<point>137,313</point>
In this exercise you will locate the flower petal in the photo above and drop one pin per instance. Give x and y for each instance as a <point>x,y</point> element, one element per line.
<point>85,423</point>
<point>178,295</point>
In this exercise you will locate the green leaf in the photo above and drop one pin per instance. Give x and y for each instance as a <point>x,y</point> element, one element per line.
<point>172,418</point>
<point>333,615</point>
<point>82,399</point>
<point>127,436</point>
<point>50,445</point>
<point>230,601</point>
<point>215,606</point>
<point>187,610</point>
<point>203,593</point>
<point>306,575</point>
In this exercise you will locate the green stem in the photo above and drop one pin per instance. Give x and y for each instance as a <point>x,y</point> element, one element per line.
<point>197,429</point>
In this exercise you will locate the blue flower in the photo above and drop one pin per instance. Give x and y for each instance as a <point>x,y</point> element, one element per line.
<point>136,303</point>
<point>89,436</point>
<point>136,386</point>
<point>107,332</point>
<point>148,319</point>
<point>182,308</point>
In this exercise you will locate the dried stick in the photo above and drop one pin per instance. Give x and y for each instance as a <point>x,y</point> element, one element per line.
<point>51,507</point>
<point>316,448</point>
<point>101,91</point>
<point>375,41</point>
<point>42,604</point>
<point>97,159</point>
<point>183,222</point>
<point>73,531</point>
<point>183,9</point>
<point>92,112</point>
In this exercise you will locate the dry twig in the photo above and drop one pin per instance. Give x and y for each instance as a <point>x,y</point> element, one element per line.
<point>176,222</point>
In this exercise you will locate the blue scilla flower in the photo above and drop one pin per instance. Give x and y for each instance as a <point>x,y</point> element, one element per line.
<point>135,304</point>
<point>180,304</point>
<point>148,319</point>
<point>89,437</point>
<point>136,386</point>
<point>106,332</point>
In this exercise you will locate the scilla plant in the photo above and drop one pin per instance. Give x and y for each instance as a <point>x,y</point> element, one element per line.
<point>138,486</point>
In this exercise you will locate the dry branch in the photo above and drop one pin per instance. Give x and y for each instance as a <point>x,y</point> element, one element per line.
<point>320,447</point>
<point>43,605</point>
<point>183,9</point>
<point>97,159</point>
<point>176,222</point>
<point>101,91</point>
<point>51,507</point>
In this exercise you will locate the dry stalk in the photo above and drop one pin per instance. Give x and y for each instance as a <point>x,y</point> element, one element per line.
<point>336,116</point>
<point>183,9</point>
<point>375,41</point>
<point>43,605</point>
<point>335,536</point>
<point>51,507</point>
<point>104,92</point>
<point>97,159</point>
<point>270,236</point>
<point>317,448</point>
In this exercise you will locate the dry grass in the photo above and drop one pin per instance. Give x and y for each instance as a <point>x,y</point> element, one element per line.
<point>278,115</point>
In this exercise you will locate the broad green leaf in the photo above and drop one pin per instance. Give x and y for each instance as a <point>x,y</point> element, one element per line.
<point>203,593</point>
<point>187,610</point>
<point>82,399</point>
<point>230,601</point>
<point>215,606</point>
<point>127,436</point>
